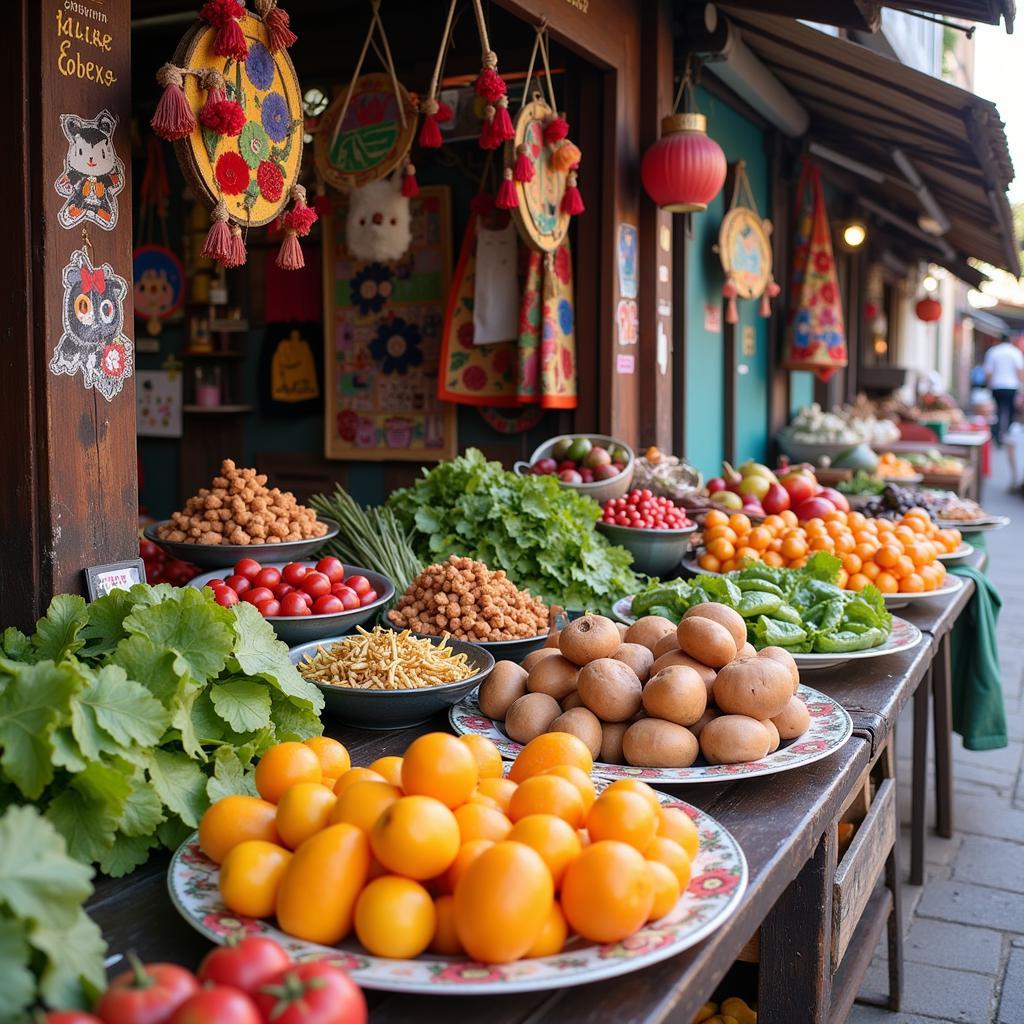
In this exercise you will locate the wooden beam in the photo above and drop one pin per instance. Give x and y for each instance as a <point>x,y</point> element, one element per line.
<point>864,15</point>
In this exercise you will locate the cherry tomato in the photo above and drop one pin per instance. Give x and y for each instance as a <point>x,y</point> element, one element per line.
<point>348,597</point>
<point>332,568</point>
<point>246,965</point>
<point>214,584</point>
<point>70,1017</point>
<point>269,609</point>
<point>328,605</point>
<point>281,589</point>
<point>247,567</point>
<point>238,583</point>
<point>148,551</point>
<point>368,598</point>
<point>360,584</point>
<point>293,572</point>
<point>217,1005</point>
<point>312,993</point>
<point>307,598</point>
<point>257,594</point>
<point>294,604</point>
<point>316,584</point>
<point>147,994</point>
<point>225,597</point>
<point>269,577</point>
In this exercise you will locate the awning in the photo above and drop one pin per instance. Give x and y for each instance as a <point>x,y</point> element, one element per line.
<point>987,322</point>
<point>988,11</point>
<point>865,106</point>
<point>866,15</point>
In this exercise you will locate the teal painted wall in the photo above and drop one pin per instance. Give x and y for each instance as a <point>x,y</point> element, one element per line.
<point>801,390</point>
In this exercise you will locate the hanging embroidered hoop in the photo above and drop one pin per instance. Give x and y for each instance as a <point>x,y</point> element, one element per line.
<point>509,421</point>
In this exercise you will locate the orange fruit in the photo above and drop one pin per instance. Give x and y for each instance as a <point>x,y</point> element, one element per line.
<point>283,765</point>
<point>332,755</point>
<point>439,766</point>
<point>730,565</point>
<point>552,935</point>
<point>303,810</point>
<point>887,583</point>
<point>747,554</point>
<point>666,889</point>
<point>793,547</point>
<point>759,538</point>
<point>865,551</point>
<point>502,902</point>
<point>477,821</point>
<point>788,516</point>
<point>579,778</point>
<point>852,562</point>
<point>468,852</point>
<point>395,917</point>
<point>624,816</point>
<point>234,819</point>
<point>354,775</point>
<point>716,517</point>
<point>773,558</point>
<point>674,823</point>
<point>496,791</point>
<point>607,893</point>
<point>842,578</point>
<point>416,836</point>
<point>722,549</point>
<point>672,855</point>
<point>870,570</point>
<point>487,755</point>
<point>547,794</point>
<point>740,523</point>
<point>638,787</point>
<point>857,581</point>
<point>390,768</point>
<point>904,567</point>
<point>445,941</point>
<point>362,803</point>
<point>548,751</point>
<point>912,584</point>
<point>709,563</point>
<point>251,875</point>
<point>720,531</point>
<point>553,838</point>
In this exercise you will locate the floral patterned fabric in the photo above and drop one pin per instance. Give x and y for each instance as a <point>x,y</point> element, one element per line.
<point>816,336</point>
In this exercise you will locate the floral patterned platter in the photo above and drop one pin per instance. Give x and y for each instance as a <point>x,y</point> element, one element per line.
<point>830,728</point>
<point>718,883</point>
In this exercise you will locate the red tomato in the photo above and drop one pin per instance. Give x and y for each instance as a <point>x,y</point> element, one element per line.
<point>312,993</point>
<point>225,597</point>
<point>148,551</point>
<point>257,594</point>
<point>281,589</point>
<point>238,583</point>
<point>247,567</point>
<point>305,597</point>
<point>293,572</point>
<point>360,584</point>
<point>217,1005</point>
<point>269,577</point>
<point>147,994</point>
<point>214,584</point>
<point>368,598</point>
<point>332,568</point>
<point>70,1017</point>
<point>269,609</point>
<point>328,605</point>
<point>247,965</point>
<point>348,597</point>
<point>316,584</point>
<point>294,604</point>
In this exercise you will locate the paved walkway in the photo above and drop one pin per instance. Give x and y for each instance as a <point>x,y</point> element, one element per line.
<point>964,946</point>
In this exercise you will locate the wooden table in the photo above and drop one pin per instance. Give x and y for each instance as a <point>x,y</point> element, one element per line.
<point>963,444</point>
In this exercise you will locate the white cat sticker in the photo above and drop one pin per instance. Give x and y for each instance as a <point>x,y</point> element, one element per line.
<point>378,224</point>
<point>93,174</point>
<point>496,285</point>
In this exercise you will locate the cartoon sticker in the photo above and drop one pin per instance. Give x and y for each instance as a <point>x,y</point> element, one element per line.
<point>93,173</point>
<point>93,341</point>
<point>627,322</point>
<point>626,261</point>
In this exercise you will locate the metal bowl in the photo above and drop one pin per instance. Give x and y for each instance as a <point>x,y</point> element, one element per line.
<point>654,551</point>
<point>600,490</point>
<point>220,556</point>
<point>396,709</point>
<point>298,629</point>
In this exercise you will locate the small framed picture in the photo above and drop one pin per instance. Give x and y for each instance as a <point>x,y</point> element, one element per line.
<point>100,580</point>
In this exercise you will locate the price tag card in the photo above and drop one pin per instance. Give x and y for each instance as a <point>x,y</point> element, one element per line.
<point>100,580</point>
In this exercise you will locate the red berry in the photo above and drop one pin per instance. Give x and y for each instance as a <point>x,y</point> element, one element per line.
<point>269,609</point>
<point>329,604</point>
<point>294,604</point>
<point>332,568</point>
<point>268,577</point>
<point>368,598</point>
<point>316,584</point>
<point>293,572</point>
<point>225,597</point>
<point>238,583</point>
<point>247,567</point>
<point>348,598</point>
<point>281,589</point>
<point>254,595</point>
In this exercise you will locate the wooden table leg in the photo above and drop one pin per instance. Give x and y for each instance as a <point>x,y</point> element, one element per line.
<point>919,780</point>
<point>795,972</point>
<point>942,713</point>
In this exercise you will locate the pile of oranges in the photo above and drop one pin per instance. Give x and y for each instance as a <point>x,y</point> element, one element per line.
<point>437,850</point>
<point>898,557</point>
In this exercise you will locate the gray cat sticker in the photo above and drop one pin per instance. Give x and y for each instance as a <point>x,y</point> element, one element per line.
<point>93,173</point>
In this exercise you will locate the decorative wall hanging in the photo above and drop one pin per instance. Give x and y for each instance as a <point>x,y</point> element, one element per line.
<point>496,289</point>
<point>377,224</point>
<point>233,106</point>
<point>291,368</point>
<point>745,250</point>
<point>93,174</point>
<point>93,343</point>
<point>158,403</point>
<point>816,337</point>
<point>382,326</point>
<point>435,111</point>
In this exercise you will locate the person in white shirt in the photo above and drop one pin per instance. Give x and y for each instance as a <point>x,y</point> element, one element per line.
<point>1004,373</point>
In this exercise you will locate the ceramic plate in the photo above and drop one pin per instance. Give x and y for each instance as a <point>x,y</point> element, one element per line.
<point>830,728</point>
<point>974,525</point>
<point>953,557</point>
<point>718,882</point>
<point>950,585</point>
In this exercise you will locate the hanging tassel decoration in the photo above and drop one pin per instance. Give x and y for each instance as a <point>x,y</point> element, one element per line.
<point>279,33</point>
<point>173,118</point>
<point>489,137</point>
<point>729,293</point>
<point>444,112</point>
<point>224,16</point>
<point>430,130</point>
<point>771,290</point>
<point>297,223</point>
<point>489,85</point>
<point>410,186</point>
<point>217,246</point>
<point>237,254</point>
<point>556,129</point>
<point>508,194</point>
<point>322,201</point>
<point>572,201</point>
<point>221,115</point>
<point>565,156</point>
<point>523,169</point>
<point>502,121</point>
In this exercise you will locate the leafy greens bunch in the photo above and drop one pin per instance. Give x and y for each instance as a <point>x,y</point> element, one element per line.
<point>540,533</point>
<point>125,718</point>
<point>802,610</point>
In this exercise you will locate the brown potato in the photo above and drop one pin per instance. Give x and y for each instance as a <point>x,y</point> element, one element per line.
<point>555,676</point>
<point>724,616</point>
<point>621,627</point>
<point>665,645</point>
<point>648,630</point>
<point>583,724</point>
<point>653,743</point>
<point>773,734</point>
<point>676,694</point>
<point>746,651</point>
<point>552,640</point>
<point>610,689</point>
<point>794,719</point>
<point>709,713</point>
<point>502,688</point>
<point>588,638</point>
<point>535,656</point>
<point>638,658</point>
<point>571,701</point>
<point>758,687</point>
<point>734,739</point>
<point>611,742</point>
<point>706,640</point>
<point>784,658</point>
<point>678,658</point>
<point>530,716</point>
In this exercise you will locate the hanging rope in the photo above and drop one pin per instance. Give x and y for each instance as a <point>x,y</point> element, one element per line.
<point>436,113</point>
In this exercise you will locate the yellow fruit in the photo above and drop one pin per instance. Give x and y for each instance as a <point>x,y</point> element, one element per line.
<point>303,810</point>
<point>416,836</point>
<point>488,757</point>
<point>676,824</point>
<point>552,934</point>
<point>362,803</point>
<point>395,917</point>
<point>439,766</point>
<point>390,767</point>
<point>553,838</point>
<point>251,875</point>
<point>624,816</point>
<point>549,750</point>
<point>672,855</point>
<point>607,893</point>
<point>666,889</point>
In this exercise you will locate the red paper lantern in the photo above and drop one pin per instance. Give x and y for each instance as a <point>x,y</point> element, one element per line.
<point>685,169</point>
<point>871,310</point>
<point>928,310</point>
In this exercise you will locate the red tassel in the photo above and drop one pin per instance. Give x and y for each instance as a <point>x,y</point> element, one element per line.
<point>489,137</point>
<point>278,25</point>
<point>430,131</point>
<point>219,114</point>
<point>523,169</point>
<point>489,85</point>
<point>290,255</point>
<point>218,245</point>
<point>173,117</point>
<point>508,195</point>
<point>732,315</point>
<point>410,186</point>
<point>444,112</point>
<point>767,295</point>
<point>297,223</point>
<point>236,254</point>
<point>502,122</point>
<point>482,204</point>
<point>224,16</point>
<point>572,201</point>
<point>556,129</point>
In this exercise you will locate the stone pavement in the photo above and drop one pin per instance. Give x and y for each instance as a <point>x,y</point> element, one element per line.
<point>964,945</point>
